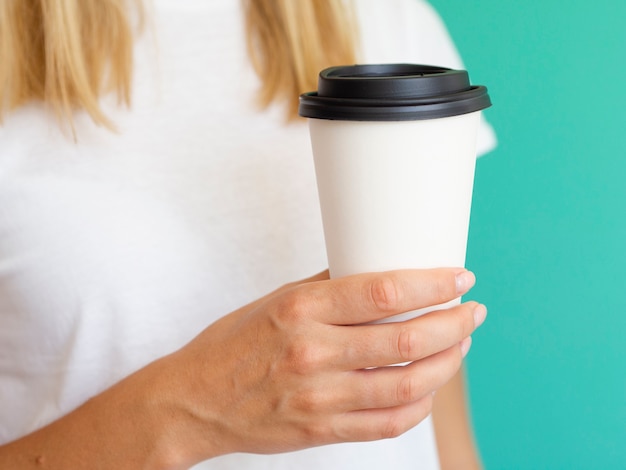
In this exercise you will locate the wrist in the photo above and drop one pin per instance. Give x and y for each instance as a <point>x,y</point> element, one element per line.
<point>174,431</point>
<point>132,425</point>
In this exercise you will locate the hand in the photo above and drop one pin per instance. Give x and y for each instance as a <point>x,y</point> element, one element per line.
<point>299,368</point>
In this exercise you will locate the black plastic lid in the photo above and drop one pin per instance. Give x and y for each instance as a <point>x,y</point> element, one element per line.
<point>392,92</point>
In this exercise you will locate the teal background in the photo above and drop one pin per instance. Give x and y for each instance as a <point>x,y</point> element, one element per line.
<point>548,233</point>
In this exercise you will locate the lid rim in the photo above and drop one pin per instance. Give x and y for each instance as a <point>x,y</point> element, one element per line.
<point>316,107</point>
<point>473,91</point>
<point>392,92</point>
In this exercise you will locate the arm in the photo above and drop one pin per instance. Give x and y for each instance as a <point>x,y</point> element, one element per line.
<point>296,369</point>
<point>455,440</point>
<point>123,428</point>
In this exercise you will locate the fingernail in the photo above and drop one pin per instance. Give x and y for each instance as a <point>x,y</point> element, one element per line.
<point>466,344</point>
<point>480,313</point>
<point>464,281</point>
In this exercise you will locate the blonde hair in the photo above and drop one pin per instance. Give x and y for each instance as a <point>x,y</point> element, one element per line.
<point>290,41</point>
<point>68,53</point>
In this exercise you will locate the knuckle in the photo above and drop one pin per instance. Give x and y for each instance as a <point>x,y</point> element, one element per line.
<point>407,344</point>
<point>408,390</point>
<point>317,432</point>
<point>294,304</point>
<point>308,401</point>
<point>398,423</point>
<point>443,289</point>
<point>393,428</point>
<point>384,294</point>
<point>303,357</point>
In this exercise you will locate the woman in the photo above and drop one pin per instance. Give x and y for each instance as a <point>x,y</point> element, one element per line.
<point>127,235</point>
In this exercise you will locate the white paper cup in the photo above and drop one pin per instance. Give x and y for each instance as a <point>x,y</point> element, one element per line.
<point>395,149</point>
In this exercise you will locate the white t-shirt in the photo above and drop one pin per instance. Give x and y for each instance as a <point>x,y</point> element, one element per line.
<point>121,247</point>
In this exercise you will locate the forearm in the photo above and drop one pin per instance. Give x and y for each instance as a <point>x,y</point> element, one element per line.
<point>129,426</point>
<point>453,429</point>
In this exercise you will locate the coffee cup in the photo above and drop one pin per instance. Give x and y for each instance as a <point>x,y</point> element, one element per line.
<point>394,147</point>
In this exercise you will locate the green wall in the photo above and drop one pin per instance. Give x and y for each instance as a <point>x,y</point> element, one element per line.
<point>548,235</point>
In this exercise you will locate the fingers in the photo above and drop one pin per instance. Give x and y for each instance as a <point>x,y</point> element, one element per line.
<point>368,297</point>
<point>357,299</point>
<point>392,386</point>
<point>364,346</point>
<point>382,423</point>
<point>382,402</point>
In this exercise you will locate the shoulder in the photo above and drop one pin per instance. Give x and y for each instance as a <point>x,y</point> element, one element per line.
<point>404,31</point>
<point>411,31</point>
